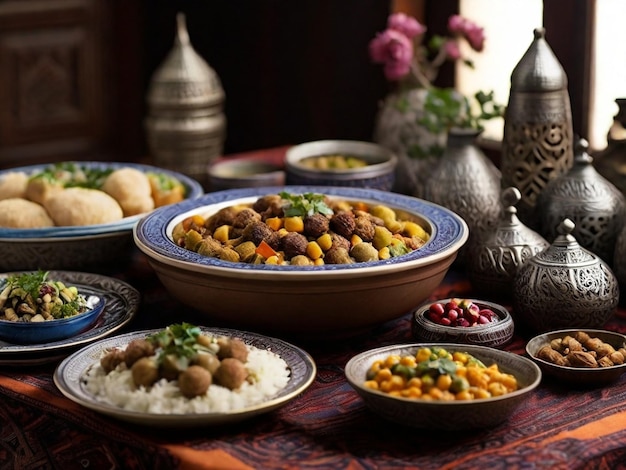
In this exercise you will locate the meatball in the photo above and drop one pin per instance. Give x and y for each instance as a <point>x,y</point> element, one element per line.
<point>209,361</point>
<point>338,256</point>
<point>343,223</point>
<point>340,242</point>
<point>257,231</point>
<point>364,228</point>
<point>316,225</point>
<point>231,373</point>
<point>244,217</point>
<point>269,206</point>
<point>294,244</point>
<point>232,347</point>
<point>111,360</point>
<point>145,372</point>
<point>194,381</point>
<point>137,349</point>
<point>224,216</point>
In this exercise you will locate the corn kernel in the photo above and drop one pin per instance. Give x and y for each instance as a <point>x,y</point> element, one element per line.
<point>384,253</point>
<point>325,242</point>
<point>319,262</point>
<point>313,250</point>
<point>294,224</point>
<point>355,240</point>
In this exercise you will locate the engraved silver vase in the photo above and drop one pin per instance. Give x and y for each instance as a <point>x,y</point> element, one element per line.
<point>185,125</point>
<point>595,205</point>
<point>467,182</point>
<point>538,137</point>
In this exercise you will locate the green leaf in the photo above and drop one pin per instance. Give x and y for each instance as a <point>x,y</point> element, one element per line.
<point>304,205</point>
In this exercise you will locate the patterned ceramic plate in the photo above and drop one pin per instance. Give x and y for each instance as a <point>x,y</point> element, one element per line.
<point>122,302</point>
<point>69,378</point>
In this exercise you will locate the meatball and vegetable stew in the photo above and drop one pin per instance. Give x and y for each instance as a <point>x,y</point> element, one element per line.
<point>301,229</point>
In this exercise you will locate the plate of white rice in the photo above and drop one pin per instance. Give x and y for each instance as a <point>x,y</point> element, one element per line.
<point>283,371</point>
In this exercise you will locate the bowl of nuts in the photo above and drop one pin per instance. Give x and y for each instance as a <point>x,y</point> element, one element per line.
<point>465,321</point>
<point>581,356</point>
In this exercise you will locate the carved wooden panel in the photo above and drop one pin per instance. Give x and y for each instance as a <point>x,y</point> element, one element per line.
<point>50,84</point>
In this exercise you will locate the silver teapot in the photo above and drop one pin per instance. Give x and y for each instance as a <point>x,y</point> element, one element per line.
<point>497,253</point>
<point>564,286</point>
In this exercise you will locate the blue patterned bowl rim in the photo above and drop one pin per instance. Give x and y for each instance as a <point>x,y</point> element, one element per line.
<point>193,187</point>
<point>152,234</point>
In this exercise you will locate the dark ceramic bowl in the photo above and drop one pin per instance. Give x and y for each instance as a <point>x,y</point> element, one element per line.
<point>446,415</point>
<point>231,174</point>
<point>577,376</point>
<point>51,330</point>
<point>379,173</point>
<point>494,334</point>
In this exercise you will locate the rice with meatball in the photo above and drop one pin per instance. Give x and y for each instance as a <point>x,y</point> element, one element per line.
<point>117,388</point>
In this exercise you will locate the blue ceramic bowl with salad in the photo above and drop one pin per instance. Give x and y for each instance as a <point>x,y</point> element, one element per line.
<point>35,309</point>
<point>53,216</point>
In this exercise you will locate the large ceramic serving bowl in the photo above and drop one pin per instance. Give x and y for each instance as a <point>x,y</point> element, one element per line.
<point>378,173</point>
<point>455,415</point>
<point>315,301</point>
<point>578,376</point>
<point>81,248</point>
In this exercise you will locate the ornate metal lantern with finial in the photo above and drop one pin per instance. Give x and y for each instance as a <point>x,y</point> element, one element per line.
<point>594,204</point>
<point>186,126</point>
<point>538,136</point>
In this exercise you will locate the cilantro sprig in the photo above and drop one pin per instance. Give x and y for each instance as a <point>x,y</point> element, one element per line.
<point>179,340</point>
<point>304,205</point>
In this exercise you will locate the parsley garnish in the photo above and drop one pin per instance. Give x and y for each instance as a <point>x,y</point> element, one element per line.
<point>29,282</point>
<point>304,205</point>
<point>179,340</point>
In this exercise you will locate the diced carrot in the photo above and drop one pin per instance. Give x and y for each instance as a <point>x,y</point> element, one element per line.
<point>361,206</point>
<point>265,250</point>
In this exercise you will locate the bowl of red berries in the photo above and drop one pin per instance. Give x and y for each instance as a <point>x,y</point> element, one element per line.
<point>458,320</point>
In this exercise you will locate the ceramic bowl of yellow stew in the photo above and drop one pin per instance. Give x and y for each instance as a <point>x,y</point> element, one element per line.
<point>444,386</point>
<point>302,260</point>
<point>341,163</point>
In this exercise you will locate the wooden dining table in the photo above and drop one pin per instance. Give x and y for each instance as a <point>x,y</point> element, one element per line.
<point>328,426</point>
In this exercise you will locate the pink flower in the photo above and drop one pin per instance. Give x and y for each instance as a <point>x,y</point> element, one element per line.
<point>452,49</point>
<point>456,24</point>
<point>474,34</point>
<point>395,51</point>
<point>407,25</point>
